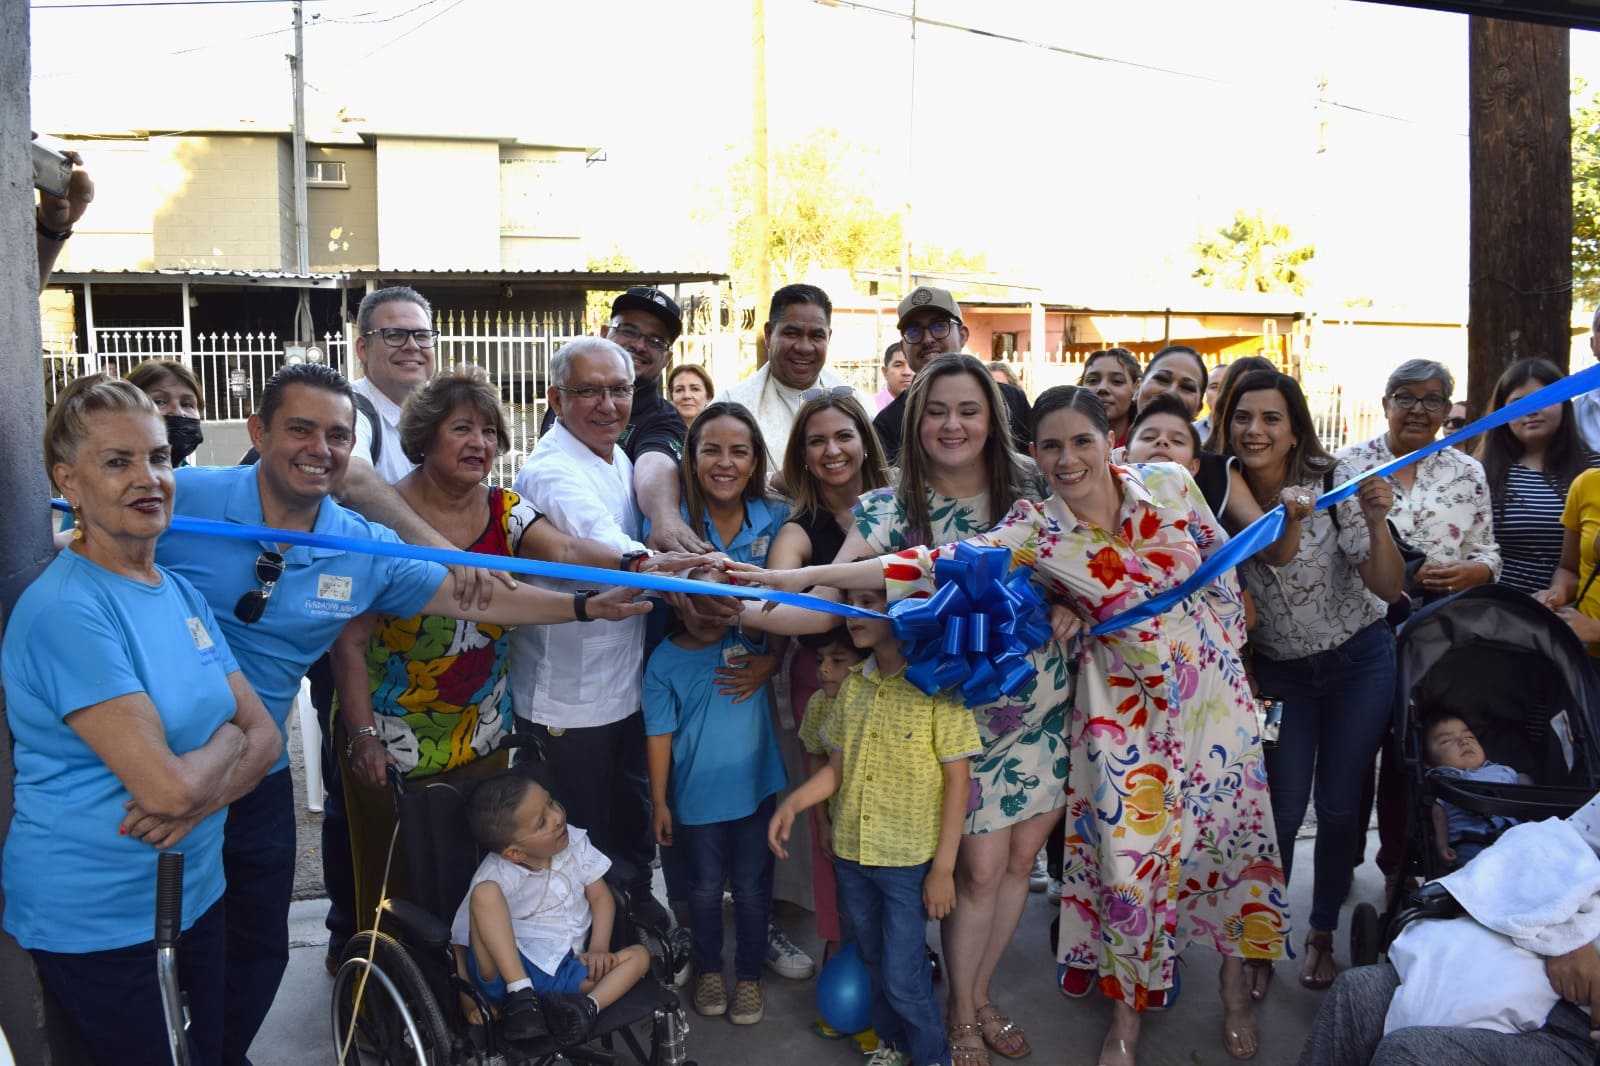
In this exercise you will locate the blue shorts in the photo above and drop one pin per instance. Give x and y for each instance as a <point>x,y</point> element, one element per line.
<point>567,978</point>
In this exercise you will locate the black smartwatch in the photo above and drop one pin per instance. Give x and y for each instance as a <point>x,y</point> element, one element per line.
<point>580,604</point>
<point>631,560</point>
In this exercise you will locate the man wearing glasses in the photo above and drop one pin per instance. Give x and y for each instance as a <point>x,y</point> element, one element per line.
<point>281,607</point>
<point>930,324</point>
<point>578,687</point>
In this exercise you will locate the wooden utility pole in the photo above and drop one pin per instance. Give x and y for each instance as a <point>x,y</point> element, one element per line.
<point>1520,137</point>
<point>758,155</point>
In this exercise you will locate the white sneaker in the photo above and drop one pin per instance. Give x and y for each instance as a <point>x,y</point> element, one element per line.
<point>1052,891</point>
<point>1039,876</point>
<point>887,1056</point>
<point>784,959</point>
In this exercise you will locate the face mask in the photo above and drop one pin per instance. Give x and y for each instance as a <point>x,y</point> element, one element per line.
<point>184,436</point>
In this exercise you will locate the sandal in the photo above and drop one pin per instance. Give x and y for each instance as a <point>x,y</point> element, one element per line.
<point>1319,951</point>
<point>1008,1035</point>
<point>1258,978</point>
<point>965,1054</point>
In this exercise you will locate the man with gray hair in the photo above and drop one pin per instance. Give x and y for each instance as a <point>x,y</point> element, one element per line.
<point>1586,407</point>
<point>577,686</point>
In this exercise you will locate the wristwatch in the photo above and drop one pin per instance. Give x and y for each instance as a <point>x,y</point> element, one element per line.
<point>57,235</point>
<point>357,734</point>
<point>631,560</point>
<point>580,604</point>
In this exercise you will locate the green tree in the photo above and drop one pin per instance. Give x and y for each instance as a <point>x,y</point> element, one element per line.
<point>824,213</point>
<point>1255,253</point>
<point>1585,194</point>
<point>597,305</point>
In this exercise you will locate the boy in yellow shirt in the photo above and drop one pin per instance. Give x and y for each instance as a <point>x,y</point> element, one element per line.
<point>899,764</point>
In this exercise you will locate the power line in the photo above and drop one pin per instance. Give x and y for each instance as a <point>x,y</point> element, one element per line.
<point>158,3</point>
<point>1095,57</point>
<point>414,29</point>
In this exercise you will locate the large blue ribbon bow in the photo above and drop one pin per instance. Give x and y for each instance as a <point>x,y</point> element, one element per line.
<point>977,628</point>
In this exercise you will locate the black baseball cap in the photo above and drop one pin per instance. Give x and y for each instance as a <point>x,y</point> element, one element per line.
<point>654,301</point>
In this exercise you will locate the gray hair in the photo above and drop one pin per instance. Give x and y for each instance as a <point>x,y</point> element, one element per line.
<point>394,293</point>
<point>1416,371</point>
<point>561,362</point>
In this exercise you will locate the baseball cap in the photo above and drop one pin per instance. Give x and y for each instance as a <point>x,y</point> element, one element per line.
<point>928,296</point>
<point>656,302</point>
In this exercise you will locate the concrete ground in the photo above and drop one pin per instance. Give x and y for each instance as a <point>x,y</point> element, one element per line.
<point>1063,1032</point>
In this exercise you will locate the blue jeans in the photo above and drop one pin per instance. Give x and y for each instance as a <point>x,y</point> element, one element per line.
<point>258,860</point>
<point>735,852</point>
<point>885,906</point>
<point>1336,710</point>
<point>113,1000</point>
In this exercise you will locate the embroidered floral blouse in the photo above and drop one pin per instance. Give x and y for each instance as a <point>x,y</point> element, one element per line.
<point>1317,600</point>
<point>1447,514</point>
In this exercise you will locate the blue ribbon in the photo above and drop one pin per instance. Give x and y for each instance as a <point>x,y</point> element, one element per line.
<point>1266,530</point>
<point>977,628</point>
<point>536,568</point>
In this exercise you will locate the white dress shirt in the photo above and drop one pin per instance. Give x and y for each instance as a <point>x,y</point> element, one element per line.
<point>392,464</point>
<point>579,673</point>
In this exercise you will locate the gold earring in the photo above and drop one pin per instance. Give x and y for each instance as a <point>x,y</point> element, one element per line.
<point>77,523</point>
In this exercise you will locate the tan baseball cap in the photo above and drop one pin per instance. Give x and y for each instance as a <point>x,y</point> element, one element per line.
<point>928,296</point>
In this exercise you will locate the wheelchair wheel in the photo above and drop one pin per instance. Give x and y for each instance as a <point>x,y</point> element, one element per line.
<point>398,1022</point>
<point>1364,944</point>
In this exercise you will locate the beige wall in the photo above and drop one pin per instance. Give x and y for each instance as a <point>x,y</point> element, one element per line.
<point>438,204</point>
<point>344,222</point>
<point>226,211</point>
<point>116,233</point>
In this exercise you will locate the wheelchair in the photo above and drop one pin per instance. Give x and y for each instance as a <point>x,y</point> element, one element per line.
<point>404,971</point>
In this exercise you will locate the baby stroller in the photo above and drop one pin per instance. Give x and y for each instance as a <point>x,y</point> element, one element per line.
<point>410,1013</point>
<point>1512,670</point>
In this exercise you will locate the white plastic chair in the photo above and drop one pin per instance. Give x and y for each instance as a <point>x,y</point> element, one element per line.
<point>310,746</point>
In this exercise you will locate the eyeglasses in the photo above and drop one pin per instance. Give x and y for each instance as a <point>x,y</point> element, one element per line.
<point>937,330</point>
<point>253,604</point>
<point>631,333</point>
<point>395,336</point>
<point>1431,404</point>
<point>838,391</point>
<point>1454,424</point>
<point>591,393</point>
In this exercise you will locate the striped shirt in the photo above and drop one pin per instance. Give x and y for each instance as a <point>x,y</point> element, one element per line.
<point>1527,525</point>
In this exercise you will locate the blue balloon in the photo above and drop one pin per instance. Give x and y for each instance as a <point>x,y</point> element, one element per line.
<point>844,994</point>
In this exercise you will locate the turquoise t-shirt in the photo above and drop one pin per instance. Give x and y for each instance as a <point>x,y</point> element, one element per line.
<point>321,588</point>
<point>81,635</point>
<point>725,757</point>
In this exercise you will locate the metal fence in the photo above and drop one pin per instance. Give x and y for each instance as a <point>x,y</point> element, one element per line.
<point>514,349</point>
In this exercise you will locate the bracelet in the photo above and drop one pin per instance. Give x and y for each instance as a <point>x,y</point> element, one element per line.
<point>357,734</point>
<point>57,235</point>
<point>580,601</point>
<point>631,560</point>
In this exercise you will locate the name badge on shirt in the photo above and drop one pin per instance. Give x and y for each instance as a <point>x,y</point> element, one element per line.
<point>333,587</point>
<point>199,634</point>
<point>759,546</point>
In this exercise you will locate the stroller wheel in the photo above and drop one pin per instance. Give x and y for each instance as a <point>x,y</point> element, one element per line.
<point>1364,935</point>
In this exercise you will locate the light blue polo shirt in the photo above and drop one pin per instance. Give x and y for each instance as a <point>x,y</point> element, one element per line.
<point>725,757</point>
<point>81,635</point>
<point>321,588</point>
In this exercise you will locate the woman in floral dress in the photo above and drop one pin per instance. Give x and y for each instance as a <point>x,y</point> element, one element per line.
<point>1169,837</point>
<point>959,475</point>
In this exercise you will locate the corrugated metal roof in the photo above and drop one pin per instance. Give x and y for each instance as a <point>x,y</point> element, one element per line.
<point>600,279</point>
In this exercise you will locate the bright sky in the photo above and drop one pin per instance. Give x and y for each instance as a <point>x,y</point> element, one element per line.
<point>1091,179</point>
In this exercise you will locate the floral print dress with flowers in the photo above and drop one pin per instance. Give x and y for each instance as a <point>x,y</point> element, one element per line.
<point>1023,767</point>
<point>1169,832</point>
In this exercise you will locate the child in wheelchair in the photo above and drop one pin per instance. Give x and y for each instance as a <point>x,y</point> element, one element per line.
<point>537,896</point>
